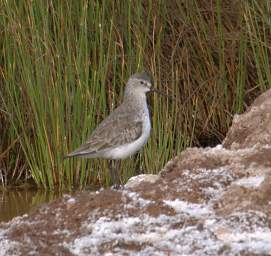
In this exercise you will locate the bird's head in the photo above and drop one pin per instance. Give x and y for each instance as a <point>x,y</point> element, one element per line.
<point>139,83</point>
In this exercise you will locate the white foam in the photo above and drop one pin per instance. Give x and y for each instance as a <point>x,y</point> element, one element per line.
<point>195,210</point>
<point>250,182</point>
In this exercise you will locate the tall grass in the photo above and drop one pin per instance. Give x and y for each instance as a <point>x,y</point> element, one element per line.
<point>64,65</point>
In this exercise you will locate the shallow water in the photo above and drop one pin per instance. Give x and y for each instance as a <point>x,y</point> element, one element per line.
<point>15,202</point>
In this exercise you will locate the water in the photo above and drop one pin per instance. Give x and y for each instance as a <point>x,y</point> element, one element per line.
<point>15,202</point>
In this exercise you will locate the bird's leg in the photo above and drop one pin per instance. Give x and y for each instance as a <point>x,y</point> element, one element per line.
<point>117,171</point>
<point>111,170</point>
<point>113,176</point>
<point>114,173</point>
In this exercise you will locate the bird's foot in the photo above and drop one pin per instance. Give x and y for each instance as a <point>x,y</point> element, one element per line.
<point>117,187</point>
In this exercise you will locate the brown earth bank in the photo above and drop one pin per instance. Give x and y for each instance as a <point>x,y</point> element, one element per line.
<point>206,201</point>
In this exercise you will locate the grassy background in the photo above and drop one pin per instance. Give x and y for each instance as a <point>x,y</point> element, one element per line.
<point>64,64</point>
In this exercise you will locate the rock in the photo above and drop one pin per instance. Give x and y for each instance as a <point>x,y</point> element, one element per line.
<point>211,201</point>
<point>253,127</point>
<point>137,180</point>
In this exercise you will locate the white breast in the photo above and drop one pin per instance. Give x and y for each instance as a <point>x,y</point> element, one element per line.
<point>126,150</point>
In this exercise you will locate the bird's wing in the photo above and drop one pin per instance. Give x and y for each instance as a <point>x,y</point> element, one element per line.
<point>117,133</point>
<point>110,134</point>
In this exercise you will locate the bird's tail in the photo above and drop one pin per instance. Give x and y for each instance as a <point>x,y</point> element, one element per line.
<point>77,154</point>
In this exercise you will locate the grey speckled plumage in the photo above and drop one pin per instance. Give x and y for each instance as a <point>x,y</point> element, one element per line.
<point>126,129</point>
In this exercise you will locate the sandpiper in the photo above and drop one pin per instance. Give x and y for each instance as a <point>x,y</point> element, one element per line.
<point>126,130</point>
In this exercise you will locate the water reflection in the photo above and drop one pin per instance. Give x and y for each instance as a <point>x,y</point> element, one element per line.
<point>18,202</point>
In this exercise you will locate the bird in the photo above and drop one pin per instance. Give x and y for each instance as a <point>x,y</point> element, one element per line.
<point>126,130</point>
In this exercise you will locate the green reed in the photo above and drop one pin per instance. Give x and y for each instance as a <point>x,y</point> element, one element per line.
<point>64,67</point>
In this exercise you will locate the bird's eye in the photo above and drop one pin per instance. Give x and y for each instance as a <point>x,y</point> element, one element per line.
<point>141,82</point>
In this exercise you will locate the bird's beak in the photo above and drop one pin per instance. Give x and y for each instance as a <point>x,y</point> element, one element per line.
<point>157,91</point>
